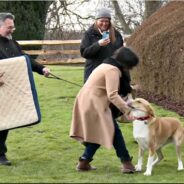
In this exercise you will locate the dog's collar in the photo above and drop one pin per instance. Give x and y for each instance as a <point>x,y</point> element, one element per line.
<point>143,118</point>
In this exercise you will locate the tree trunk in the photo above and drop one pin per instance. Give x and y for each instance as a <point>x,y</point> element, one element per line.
<point>125,26</point>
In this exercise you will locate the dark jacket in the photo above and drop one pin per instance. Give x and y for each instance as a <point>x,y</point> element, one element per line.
<point>93,52</point>
<point>10,48</point>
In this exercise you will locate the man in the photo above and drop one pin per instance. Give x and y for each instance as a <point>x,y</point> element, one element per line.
<point>10,48</point>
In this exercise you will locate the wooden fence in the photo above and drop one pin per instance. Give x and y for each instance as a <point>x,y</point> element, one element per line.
<point>52,51</point>
<point>55,51</point>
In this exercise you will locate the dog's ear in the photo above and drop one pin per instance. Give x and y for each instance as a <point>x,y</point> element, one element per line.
<point>151,111</point>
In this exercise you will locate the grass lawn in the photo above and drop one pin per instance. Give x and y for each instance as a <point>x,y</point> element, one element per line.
<point>44,153</point>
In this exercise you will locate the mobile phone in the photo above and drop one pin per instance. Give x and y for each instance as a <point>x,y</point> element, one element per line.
<point>105,35</point>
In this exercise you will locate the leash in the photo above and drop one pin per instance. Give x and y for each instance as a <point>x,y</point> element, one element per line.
<point>59,78</point>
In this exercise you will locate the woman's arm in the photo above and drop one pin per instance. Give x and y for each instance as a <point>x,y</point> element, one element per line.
<point>112,79</point>
<point>88,49</point>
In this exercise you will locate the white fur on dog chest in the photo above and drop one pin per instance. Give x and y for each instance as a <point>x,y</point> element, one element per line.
<point>140,133</point>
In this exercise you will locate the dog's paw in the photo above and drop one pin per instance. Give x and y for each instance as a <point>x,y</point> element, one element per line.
<point>138,168</point>
<point>180,168</point>
<point>147,173</point>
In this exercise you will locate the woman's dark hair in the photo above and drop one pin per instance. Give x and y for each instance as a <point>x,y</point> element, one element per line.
<point>126,57</point>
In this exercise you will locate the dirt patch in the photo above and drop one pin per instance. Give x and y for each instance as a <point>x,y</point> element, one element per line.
<point>159,42</point>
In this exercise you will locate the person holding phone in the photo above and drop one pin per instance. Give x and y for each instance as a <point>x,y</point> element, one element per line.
<point>100,41</point>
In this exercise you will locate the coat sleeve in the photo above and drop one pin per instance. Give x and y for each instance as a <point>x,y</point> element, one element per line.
<point>121,39</point>
<point>36,67</point>
<point>112,80</point>
<point>88,49</point>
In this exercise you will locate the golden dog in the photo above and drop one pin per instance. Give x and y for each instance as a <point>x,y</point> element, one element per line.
<point>153,133</point>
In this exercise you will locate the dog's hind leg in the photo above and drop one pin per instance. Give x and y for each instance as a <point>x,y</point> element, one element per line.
<point>138,167</point>
<point>180,163</point>
<point>178,140</point>
<point>159,156</point>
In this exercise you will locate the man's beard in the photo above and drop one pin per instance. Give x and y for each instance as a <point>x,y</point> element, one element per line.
<point>9,37</point>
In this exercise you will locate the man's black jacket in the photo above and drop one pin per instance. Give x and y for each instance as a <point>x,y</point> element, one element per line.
<point>10,48</point>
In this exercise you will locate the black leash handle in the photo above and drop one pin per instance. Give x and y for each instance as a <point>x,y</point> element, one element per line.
<point>59,78</point>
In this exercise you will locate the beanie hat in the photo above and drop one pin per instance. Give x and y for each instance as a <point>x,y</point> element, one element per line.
<point>103,13</point>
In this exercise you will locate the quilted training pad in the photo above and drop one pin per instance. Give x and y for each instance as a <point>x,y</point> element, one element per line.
<point>18,98</point>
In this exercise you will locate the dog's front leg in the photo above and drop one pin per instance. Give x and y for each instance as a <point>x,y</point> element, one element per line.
<point>138,167</point>
<point>150,162</point>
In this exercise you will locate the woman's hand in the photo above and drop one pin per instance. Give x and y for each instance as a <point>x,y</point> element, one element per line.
<point>128,114</point>
<point>104,42</point>
<point>130,118</point>
<point>136,87</point>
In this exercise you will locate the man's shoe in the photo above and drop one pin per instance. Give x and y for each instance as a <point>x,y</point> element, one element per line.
<point>4,160</point>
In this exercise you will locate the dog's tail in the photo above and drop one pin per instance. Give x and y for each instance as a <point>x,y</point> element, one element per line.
<point>182,135</point>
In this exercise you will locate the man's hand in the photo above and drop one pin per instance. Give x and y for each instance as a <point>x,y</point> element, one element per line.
<point>46,71</point>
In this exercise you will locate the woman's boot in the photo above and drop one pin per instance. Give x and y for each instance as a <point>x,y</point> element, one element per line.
<point>127,167</point>
<point>84,165</point>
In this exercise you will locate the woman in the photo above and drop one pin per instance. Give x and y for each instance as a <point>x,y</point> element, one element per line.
<point>93,47</point>
<point>93,123</point>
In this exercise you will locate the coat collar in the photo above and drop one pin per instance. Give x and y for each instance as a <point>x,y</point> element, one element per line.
<point>3,38</point>
<point>93,30</point>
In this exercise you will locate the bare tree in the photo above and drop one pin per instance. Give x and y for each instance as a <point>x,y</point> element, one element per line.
<point>77,15</point>
<point>63,15</point>
<point>121,18</point>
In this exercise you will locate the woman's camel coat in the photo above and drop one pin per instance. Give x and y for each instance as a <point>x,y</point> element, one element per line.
<point>92,119</point>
